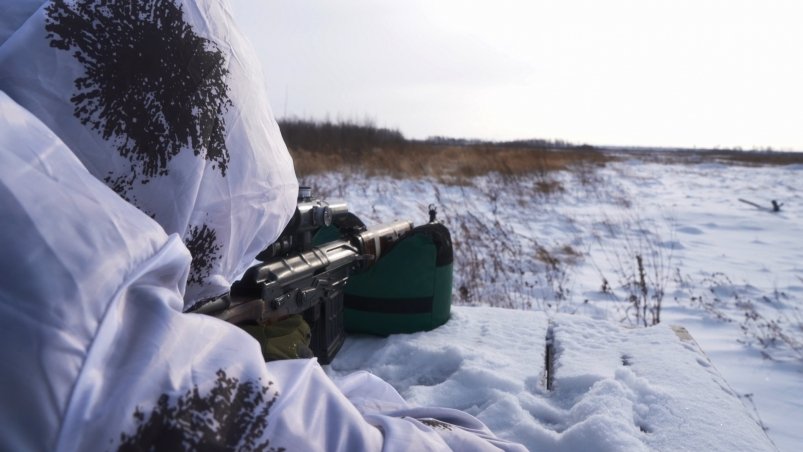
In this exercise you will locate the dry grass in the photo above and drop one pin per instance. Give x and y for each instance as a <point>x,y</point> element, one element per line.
<point>760,158</point>
<point>450,164</point>
<point>734,157</point>
<point>352,146</point>
<point>459,164</point>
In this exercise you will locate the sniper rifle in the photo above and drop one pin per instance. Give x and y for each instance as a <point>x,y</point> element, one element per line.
<point>305,271</point>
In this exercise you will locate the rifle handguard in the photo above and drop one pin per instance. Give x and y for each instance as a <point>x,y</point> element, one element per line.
<point>378,240</point>
<point>292,284</point>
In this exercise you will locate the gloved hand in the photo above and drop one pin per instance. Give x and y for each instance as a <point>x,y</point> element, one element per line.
<point>286,339</point>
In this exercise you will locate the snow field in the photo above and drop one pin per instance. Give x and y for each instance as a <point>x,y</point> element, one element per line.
<point>730,273</point>
<point>613,388</point>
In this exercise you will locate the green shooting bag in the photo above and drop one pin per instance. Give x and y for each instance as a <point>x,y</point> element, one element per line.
<point>409,289</point>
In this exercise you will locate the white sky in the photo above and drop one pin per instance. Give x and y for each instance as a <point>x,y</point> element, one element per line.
<point>630,72</point>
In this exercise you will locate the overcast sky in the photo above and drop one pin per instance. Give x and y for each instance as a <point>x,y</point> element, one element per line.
<point>630,72</point>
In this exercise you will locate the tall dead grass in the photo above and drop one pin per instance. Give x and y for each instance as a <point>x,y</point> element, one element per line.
<point>352,146</point>
<point>724,156</point>
<point>448,164</point>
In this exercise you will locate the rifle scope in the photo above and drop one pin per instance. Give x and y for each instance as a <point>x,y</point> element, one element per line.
<point>311,215</point>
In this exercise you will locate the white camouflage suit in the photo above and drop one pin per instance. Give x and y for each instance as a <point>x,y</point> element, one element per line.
<point>140,172</point>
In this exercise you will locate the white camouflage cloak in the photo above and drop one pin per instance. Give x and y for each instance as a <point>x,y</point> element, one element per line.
<point>163,102</point>
<point>96,350</point>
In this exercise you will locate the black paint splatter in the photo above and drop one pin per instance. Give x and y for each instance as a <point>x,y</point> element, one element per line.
<point>436,424</point>
<point>232,416</point>
<point>205,251</point>
<point>150,83</point>
<point>120,185</point>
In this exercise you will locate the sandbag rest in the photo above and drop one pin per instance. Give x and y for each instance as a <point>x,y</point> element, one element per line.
<point>408,290</point>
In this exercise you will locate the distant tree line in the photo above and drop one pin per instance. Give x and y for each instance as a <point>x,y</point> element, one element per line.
<point>344,136</point>
<point>351,136</point>
<point>533,143</point>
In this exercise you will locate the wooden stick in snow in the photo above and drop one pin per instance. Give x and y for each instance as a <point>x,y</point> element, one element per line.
<point>751,203</point>
<point>776,206</point>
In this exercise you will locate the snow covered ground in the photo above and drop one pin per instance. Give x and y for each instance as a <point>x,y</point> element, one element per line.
<point>612,246</point>
<point>611,388</point>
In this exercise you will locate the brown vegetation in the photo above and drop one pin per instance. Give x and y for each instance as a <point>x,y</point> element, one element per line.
<point>322,146</point>
<point>725,156</point>
<point>445,163</point>
<point>344,147</point>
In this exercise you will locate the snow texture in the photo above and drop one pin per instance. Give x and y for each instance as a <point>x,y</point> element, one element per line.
<point>613,388</point>
<point>730,273</point>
